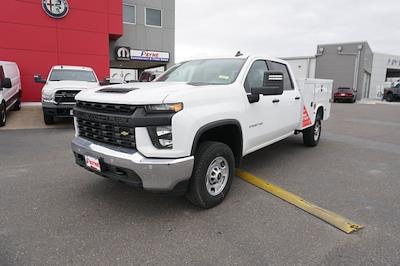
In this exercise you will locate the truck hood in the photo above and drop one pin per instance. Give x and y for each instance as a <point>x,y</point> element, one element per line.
<point>52,86</point>
<point>136,93</point>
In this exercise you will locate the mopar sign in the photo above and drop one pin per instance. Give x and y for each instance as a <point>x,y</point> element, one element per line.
<point>123,53</point>
<point>127,54</point>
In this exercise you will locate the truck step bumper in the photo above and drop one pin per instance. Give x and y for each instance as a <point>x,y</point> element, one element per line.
<point>129,166</point>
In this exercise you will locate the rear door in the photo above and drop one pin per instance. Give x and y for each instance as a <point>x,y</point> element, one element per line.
<point>289,101</point>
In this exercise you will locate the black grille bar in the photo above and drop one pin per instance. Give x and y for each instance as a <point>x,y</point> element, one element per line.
<point>108,108</point>
<point>65,96</point>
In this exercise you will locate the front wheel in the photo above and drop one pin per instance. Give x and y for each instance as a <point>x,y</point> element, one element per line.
<point>3,115</point>
<point>48,119</point>
<point>312,134</point>
<point>212,176</point>
<point>390,97</point>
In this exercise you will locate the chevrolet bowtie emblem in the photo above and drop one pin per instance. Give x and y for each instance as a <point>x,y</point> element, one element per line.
<point>124,133</point>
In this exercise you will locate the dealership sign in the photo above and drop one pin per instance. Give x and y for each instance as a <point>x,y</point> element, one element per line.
<point>393,62</point>
<point>55,8</point>
<point>127,54</point>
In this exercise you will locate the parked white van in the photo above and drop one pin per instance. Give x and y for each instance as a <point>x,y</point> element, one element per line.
<point>10,89</point>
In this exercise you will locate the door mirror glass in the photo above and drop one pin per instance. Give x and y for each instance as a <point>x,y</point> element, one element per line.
<point>272,84</point>
<point>7,83</point>
<point>38,79</point>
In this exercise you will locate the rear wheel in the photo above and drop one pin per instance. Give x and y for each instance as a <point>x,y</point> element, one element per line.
<point>212,174</point>
<point>312,134</point>
<point>390,97</point>
<point>48,119</point>
<point>17,104</point>
<point>3,115</point>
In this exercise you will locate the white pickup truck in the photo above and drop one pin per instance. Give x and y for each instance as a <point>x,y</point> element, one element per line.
<point>187,131</point>
<point>61,87</point>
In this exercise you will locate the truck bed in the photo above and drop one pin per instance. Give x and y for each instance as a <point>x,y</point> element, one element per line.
<point>316,93</point>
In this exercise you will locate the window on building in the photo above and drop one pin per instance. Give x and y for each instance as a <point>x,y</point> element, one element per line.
<point>129,15</point>
<point>255,77</point>
<point>153,17</point>
<point>287,81</point>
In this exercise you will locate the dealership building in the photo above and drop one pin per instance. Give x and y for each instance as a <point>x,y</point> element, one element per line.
<point>352,65</point>
<point>117,38</point>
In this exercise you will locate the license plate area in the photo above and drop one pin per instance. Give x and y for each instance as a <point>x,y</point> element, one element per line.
<point>71,112</point>
<point>93,163</point>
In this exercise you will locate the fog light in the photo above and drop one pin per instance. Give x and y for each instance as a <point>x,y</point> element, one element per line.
<point>161,137</point>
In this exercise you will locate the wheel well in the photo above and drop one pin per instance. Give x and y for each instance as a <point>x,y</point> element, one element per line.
<point>321,111</point>
<point>229,134</point>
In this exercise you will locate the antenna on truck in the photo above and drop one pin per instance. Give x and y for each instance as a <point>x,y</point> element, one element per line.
<point>238,54</point>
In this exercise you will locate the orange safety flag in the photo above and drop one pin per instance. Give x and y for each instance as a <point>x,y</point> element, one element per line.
<point>306,118</point>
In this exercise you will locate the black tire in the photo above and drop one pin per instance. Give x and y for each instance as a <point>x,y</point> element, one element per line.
<point>17,105</point>
<point>312,134</point>
<point>3,115</point>
<point>207,153</point>
<point>390,97</point>
<point>48,119</point>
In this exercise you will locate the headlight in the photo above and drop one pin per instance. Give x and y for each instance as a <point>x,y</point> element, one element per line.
<point>164,108</point>
<point>47,96</point>
<point>161,137</point>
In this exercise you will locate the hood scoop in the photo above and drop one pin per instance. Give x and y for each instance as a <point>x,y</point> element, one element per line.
<point>116,90</point>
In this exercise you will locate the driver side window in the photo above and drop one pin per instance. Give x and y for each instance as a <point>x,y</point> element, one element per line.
<point>255,76</point>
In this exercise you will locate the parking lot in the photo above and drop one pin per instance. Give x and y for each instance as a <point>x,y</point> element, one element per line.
<point>53,212</point>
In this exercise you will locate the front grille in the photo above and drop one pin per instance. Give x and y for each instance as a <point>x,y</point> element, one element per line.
<point>119,109</point>
<point>65,96</point>
<point>106,132</point>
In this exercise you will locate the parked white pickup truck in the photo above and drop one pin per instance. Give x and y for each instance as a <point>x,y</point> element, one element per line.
<point>61,87</point>
<point>188,130</point>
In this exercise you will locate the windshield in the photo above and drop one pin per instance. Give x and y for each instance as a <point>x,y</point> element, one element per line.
<point>208,71</point>
<point>72,75</point>
<point>344,89</point>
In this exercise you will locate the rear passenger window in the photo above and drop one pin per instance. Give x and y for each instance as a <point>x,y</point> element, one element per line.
<point>255,77</point>
<point>287,81</point>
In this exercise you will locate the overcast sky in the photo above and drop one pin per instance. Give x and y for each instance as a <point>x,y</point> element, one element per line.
<point>207,28</point>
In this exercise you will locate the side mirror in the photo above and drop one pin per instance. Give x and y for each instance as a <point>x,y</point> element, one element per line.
<point>104,82</point>
<point>38,79</point>
<point>272,85</point>
<point>7,83</point>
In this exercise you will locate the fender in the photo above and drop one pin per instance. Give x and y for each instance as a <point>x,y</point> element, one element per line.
<point>224,122</point>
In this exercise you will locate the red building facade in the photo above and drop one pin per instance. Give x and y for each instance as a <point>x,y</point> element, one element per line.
<point>36,41</point>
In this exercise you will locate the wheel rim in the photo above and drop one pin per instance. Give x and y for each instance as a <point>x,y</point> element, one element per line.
<point>317,130</point>
<point>217,176</point>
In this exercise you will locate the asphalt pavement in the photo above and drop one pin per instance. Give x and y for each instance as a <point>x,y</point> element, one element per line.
<point>54,213</point>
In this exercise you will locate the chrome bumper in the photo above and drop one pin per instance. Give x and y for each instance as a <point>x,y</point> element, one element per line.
<point>155,174</point>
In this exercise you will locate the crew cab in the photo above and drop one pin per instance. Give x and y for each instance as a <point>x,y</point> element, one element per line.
<point>10,89</point>
<point>188,130</point>
<point>393,93</point>
<point>61,87</point>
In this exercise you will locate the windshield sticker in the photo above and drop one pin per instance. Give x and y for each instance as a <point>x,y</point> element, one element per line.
<point>223,77</point>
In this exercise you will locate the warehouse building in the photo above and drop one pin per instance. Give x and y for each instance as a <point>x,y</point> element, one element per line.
<point>117,36</point>
<point>352,65</point>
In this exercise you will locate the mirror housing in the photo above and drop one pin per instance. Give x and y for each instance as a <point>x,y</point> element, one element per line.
<point>38,79</point>
<point>272,85</point>
<point>7,83</point>
<point>104,82</point>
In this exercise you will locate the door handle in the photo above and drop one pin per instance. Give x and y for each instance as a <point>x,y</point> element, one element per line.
<point>276,101</point>
<point>297,98</point>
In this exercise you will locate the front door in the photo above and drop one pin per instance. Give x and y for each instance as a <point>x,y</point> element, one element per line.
<point>261,117</point>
